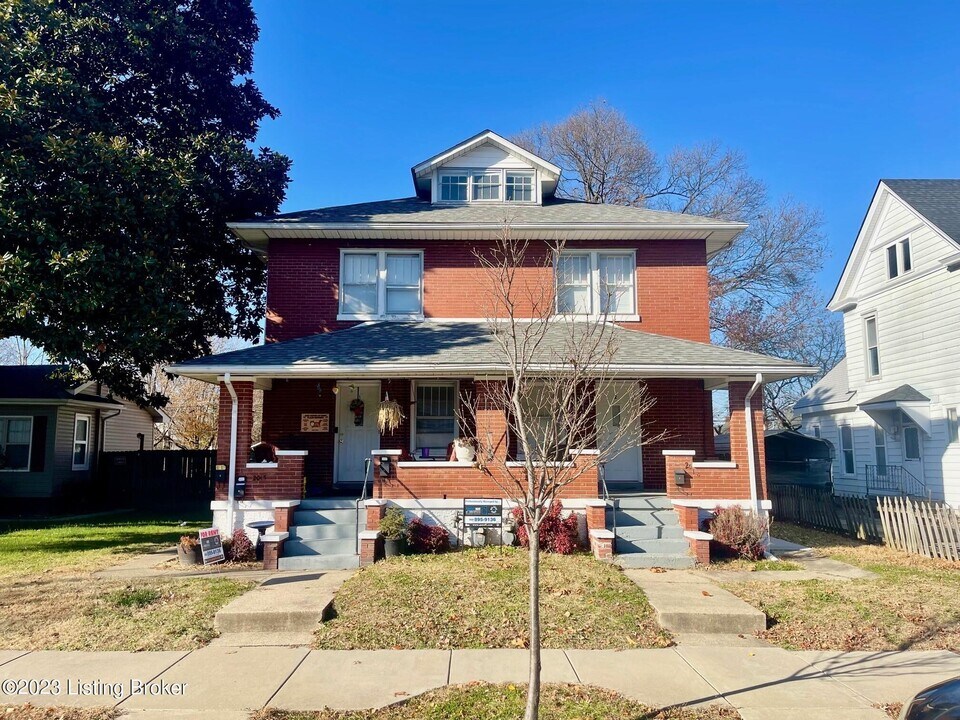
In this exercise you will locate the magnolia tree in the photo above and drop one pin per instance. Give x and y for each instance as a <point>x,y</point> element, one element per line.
<point>558,396</point>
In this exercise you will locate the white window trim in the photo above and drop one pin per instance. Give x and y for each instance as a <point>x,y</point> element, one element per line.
<point>872,315</point>
<point>595,313</point>
<point>919,432</point>
<point>953,425</point>
<point>30,447</point>
<point>381,313</point>
<point>898,244</point>
<point>816,430</point>
<point>414,414</point>
<point>843,449</point>
<point>877,446</point>
<point>74,442</point>
<point>502,172</point>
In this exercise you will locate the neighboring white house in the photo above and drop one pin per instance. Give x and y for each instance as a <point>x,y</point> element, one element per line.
<point>890,407</point>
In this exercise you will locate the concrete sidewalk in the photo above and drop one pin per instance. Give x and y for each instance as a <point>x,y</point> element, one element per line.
<point>221,682</point>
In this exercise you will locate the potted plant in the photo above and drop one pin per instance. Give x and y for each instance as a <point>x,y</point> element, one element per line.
<point>465,449</point>
<point>393,527</point>
<point>188,550</point>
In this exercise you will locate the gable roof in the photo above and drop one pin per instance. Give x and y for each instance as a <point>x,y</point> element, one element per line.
<point>937,202</point>
<point>459,348</point>
<point>832,392</point>
<point>35,382</point>
<point>483,137</point>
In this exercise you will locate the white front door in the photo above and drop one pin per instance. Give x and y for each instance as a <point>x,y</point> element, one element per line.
<point>624,464</point>
<point>913,451</point>
<point>356,435</point>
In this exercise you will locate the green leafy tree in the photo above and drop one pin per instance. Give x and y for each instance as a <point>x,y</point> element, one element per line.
<point>125,149</point>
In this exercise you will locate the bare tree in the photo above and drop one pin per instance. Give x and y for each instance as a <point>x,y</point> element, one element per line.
<point>18,351</point>
<point>558,394</point>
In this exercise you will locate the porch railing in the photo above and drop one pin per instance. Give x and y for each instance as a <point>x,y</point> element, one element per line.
<point>605,492</point>
<point>894,480</point>
<point>363,496</point>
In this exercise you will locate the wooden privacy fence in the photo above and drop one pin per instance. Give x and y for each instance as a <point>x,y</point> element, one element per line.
<point>921,528</point>
<point>151,479</point>
<point>819,508</point>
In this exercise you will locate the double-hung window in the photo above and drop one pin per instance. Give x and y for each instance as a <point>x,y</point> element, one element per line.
<point>953,426</point>
<point>487,185</point>
<point>899,260</point>
<point>519,187</point>
<point>880,443</point>
<point>596,283</point>
<point>872,345</point>
<point>381,283</point>
<point>15,435</point>
<point>453,188</point>
<point>81,442</point>
<point>847,459</point>
<point>435,418</point>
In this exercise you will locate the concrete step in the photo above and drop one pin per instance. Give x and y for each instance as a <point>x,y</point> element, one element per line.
<point>326,532</point>
<point>655,546</point>
<point>320,562</point>
<point>283,604</point>
<point>650,560</point>
<point>263,639</point>
<point>333,546</point>
<point>328,504</point>
<point>345,516</point>
<point>644,502</point>
<point>650,532</point>
<point>628,518</point>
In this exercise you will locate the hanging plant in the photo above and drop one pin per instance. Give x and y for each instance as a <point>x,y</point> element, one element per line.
<point>389,415</point>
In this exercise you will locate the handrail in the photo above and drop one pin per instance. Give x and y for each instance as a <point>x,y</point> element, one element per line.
<point>602,474</point>
<point>363,496</point>
<point>894,478</point>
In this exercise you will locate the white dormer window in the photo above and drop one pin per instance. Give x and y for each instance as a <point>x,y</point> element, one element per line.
<point>487,185</point>
<point>899,261</point>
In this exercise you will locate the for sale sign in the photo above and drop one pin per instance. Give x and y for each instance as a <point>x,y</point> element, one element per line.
<point>482,512</point>
<point>210,546</point>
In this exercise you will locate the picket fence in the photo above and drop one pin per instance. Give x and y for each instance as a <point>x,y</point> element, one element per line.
<point>921,528</point>
<point>815,507</point>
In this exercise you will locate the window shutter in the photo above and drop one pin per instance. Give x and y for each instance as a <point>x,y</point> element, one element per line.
<point>38,443</point>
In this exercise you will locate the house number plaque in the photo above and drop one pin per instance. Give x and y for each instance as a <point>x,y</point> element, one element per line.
<point>315,422</point>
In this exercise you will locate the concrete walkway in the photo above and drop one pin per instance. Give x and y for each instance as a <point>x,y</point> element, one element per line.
<point>763,683</point>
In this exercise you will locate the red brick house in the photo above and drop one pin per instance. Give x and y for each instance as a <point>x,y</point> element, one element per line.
<point>383,298</point>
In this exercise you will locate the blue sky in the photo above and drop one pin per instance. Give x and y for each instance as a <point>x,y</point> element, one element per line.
<point>823,98</point>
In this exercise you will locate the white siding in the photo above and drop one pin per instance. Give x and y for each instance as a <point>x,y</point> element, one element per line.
<point>120,432</point>
<point>488,156</point>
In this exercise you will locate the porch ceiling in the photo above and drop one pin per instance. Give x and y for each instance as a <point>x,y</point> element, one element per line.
<point>469,349</point>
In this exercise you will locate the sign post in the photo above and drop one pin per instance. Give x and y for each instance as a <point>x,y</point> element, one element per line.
<point>211,546</point>
<point>483,513</point>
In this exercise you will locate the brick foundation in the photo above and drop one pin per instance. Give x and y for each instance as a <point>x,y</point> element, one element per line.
<point>601,544</point>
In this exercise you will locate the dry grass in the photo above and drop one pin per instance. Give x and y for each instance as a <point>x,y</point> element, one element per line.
<point>478,599</point>
<point>481,701</point>
<point>911,604</point>
<point>31,712</point>
<point>754,565</point>
<point>891,709</point>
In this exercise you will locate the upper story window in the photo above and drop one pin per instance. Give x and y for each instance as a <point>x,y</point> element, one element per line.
<point>381,283</point>
<point>596,283</point>
<point>15,437</point>
<point>489,185</point>
<point>873,346</point>
<point>899,260</point>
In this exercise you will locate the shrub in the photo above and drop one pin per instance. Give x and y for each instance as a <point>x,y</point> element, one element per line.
<point>241,548</point>
<point>557,534</point>
<point>393,525</point>
<point>189,543</point>
<point>427,538</point>
<point>739,533</point>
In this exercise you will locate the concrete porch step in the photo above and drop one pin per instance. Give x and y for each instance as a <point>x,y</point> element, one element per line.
<point>627,518</point>
<point>327,516</point>
<point>328,504</point>
<point>326,532</point>
<point>650,532</point>
<point>644,502</point>
<point>333,546</point>
<point>650,560</point>
<point>320,562</point>
<point>655,546</point>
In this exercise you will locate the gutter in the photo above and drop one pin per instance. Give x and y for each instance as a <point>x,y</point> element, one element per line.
<point>232,476</point>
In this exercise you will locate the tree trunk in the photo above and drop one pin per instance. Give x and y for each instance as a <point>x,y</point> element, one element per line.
<point>533,688</point>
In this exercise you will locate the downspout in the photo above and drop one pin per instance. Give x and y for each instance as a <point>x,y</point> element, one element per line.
<point>751,460</point>
<point>232,476</point>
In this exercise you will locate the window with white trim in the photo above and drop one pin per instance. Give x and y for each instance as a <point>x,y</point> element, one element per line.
<point>381,283</point>
<point>848,462</point>
<point>81,442</point>
<point>953,426</point>
<point>15,437</point>
<point>596,283</point>
<point>519,187</point>
<point>880,444</point>
<point>872,344</point>
<point>435,418</point>
<point>899,259</point>
<point>453,188</point>
<point>911,442</point>
<point>487,185</point>
<point>816,430</point>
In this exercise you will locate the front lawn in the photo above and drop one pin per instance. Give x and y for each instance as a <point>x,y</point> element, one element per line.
<point>481,701</point>
<point>32,712</point>
<point>50,601</point>
<point>478,599</point>
<point>911,605</point>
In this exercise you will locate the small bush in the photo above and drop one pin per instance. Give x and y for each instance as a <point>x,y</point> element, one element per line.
<point>739,533</point>
<point>134,597</point>
<point>557,534</point>
<point>241,547</point>
<point>393,525</point>
<point>189,543</point>
<point>427,538</point>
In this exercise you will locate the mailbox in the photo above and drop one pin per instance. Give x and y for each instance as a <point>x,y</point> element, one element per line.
<point>240,487</point>
<point>680,476</point>
<point>220,474</point>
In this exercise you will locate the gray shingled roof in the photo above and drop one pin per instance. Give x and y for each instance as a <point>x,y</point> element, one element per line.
<point>37,382</point>
<point>904,393</point>
<point>833,388</point>
<point>393,346</point>
<point>937,200</point>
<point>413,210</point>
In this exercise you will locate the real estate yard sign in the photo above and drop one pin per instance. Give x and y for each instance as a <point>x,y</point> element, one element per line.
<point>482,512</point>
<point>210,546</point>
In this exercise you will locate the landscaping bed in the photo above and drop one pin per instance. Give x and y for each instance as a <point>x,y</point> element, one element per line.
<point>911,604</point>
<point>481,701</point>
<point>478,599</point>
